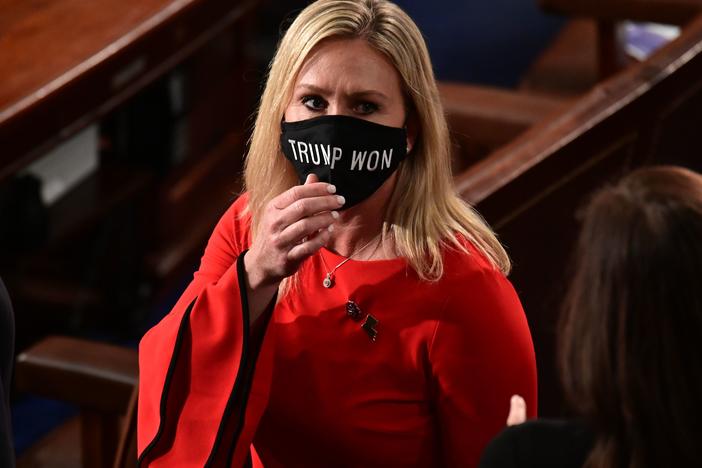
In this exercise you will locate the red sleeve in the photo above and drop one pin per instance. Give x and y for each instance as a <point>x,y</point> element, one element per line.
<point>192,380</point>
<point>481,354</point>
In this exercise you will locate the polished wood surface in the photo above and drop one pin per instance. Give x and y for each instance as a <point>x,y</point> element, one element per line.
<point>482,119</point>
<point>89,374</point>
<point>662,11</point>
<point>46,44</point>
<point>66,62</point>
<point>98,378</point>
<point>570,64</point>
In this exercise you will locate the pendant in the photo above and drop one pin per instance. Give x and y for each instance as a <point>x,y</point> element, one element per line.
<point>327,283</point>
<point>369,325</point>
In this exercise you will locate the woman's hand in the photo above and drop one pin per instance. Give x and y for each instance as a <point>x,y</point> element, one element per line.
<point>294,226</point>
<point>517,411</point>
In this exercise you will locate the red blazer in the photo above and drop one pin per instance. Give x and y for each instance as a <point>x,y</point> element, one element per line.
<point>431,390</point>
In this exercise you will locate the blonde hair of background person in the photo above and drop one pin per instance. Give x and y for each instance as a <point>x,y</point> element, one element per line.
<point>424,208</point>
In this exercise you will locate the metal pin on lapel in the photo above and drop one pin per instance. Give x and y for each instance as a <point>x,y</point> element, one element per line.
<point>369,326</point>
<point>353,311</point>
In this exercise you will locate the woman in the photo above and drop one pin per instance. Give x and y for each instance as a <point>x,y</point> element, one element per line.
<point>362,318</point>
<point>630,334</point>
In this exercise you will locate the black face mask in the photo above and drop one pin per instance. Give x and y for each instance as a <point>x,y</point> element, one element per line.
<point>355,155</point>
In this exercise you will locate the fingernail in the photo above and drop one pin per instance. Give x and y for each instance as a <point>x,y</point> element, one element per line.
<point>340,199</point>
<point>331,188</point>
<point>335,214</point>
<point>307,179</point>
<point>331,228</point>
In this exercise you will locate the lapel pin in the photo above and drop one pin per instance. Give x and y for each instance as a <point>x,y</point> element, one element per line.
<point>369,326</point>
<point>353,311</point>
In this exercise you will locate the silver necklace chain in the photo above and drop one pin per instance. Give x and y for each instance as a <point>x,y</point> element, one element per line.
<point>328,281</point>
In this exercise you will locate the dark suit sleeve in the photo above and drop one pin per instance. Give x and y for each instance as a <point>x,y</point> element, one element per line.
<point>540,443</point>
<point>7,350</point>
<point>501,451</point>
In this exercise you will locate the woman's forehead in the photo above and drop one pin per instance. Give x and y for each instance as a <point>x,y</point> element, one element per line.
<point>350,66</point>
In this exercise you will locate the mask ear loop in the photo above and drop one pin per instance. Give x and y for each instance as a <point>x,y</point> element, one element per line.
<point>409,110</point>
<point>408,148</point>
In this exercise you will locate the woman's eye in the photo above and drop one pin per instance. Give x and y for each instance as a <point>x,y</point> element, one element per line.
<point>366,108</point>
<point>314,103</point>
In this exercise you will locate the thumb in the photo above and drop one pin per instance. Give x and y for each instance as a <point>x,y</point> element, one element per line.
<point>311,178</point>
<point>517,411</point>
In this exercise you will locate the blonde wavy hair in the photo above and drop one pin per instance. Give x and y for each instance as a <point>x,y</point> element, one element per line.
<point>424,212</point>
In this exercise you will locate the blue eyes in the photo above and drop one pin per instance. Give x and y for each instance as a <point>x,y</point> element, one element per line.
<point>318,104</point>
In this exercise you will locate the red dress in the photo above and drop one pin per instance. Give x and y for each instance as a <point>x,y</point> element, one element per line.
<point>431,390</point>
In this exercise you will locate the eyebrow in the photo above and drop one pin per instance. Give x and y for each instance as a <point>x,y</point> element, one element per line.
<point>356,94</point>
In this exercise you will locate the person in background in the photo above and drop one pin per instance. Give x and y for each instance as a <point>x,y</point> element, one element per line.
<point>630,336</point>
<point>7,356</point>
<point>350,309</point>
